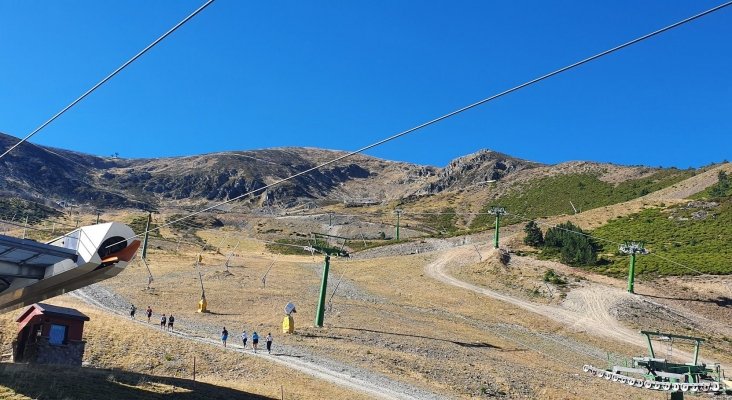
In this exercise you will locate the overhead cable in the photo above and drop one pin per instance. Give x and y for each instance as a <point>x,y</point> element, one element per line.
<point>453,113</point>
<point>110,76</point>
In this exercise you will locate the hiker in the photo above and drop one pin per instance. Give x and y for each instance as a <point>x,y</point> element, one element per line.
<point>162,321</point>
<point>149,313</point>
<point>244,338</point>
<point>269,343</point>
<point>132,311</point>
<point>171,319</point>
<point>224,336</point>
<point>255,341</point>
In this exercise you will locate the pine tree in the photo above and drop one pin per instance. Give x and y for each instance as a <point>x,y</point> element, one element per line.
<point>722,186</point>
<point>534,237</point>
<point>575,248</point>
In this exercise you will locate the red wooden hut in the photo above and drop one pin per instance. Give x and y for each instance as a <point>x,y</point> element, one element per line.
<point>49,334</point>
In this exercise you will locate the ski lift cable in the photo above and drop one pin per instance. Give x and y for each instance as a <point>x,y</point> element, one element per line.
<point>110,76</point>
<point>455,112</point>
<point>330,300</point>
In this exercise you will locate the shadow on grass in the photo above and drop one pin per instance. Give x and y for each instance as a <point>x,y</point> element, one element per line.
<point>45,382</point>
<point>216,313</point>
<point>462,344</point>
<point>721,301</point>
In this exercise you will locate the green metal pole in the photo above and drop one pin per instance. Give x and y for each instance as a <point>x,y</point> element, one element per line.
<point>495,236</point>
<point>147,233</point>
<point>397,226</point>
<point>696,352</point>
<point>323,288</point>
<point>631,273</point>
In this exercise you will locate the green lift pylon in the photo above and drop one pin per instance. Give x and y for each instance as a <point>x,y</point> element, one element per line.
<point>632,248</point>
<point>323,287</point>
<point>398,214</point>
<point>497,211</point>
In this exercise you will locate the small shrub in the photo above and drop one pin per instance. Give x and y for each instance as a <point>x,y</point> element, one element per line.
<point>552,277</point>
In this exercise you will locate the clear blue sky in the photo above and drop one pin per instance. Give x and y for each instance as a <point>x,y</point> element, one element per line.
<point>342,74</point>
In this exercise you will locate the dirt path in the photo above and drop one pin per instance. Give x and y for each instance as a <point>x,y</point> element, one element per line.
<point>588,306</point>
<point>359,380</point>
<point>586,309</point>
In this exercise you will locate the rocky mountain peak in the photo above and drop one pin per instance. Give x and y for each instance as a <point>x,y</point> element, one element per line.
<point>481,166</point>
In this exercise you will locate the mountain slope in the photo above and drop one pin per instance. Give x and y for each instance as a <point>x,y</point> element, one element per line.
<point>467,183</point>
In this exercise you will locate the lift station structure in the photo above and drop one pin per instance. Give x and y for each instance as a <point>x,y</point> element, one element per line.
<point>31,271</point>
<point>656,373</point>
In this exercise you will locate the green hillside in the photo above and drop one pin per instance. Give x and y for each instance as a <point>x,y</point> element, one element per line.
<point>696,235</point>
<point>552,195</point>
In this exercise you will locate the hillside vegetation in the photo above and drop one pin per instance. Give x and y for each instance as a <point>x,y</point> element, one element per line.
<point>721,189</point>
<point>14,209</point>
<point>695,235</point>
<point>552,195</point>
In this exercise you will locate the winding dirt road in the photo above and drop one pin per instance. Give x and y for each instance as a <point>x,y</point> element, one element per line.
<point>589,305</point>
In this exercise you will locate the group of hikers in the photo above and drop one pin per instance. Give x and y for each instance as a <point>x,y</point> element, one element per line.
<point>245,338</point>
<point>170,320</point>
<point>165,322</point>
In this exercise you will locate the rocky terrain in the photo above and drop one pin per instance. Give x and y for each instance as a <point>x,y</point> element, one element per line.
<point>55,176</point>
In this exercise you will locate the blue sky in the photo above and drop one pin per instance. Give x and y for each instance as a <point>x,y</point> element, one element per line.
<point>343,74</point>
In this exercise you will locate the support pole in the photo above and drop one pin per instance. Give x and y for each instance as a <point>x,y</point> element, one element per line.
<point>631,273</point>
<point>147,233</point>
<point>398,213</point>
<point>98,213</point>
<point>632,248</point>
<point>496,235</point>
<point>25,226</point>
<point>497,211</point>
<point>650,345</point>
<point>323,288</point>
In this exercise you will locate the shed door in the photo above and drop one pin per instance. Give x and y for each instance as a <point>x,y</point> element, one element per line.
<point>57,335</point>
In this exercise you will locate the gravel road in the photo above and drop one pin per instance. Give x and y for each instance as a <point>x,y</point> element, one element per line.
<point>370,383</point>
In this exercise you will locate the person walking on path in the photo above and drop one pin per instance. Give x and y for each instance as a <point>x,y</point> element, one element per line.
<point>171,319</point>
<point>149,313</point>
<point>244,338</point>
<point>162,321</point>
<point>255,341</point>
<point>132,311</point>
<point>269,343</point>
<point>224,336</point>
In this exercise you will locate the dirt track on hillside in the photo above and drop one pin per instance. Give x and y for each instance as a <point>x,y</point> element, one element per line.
<point>589,310</point>
<point>357,380</point>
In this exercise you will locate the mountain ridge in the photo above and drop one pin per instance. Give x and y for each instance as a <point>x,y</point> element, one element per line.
<point>38,172</point>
